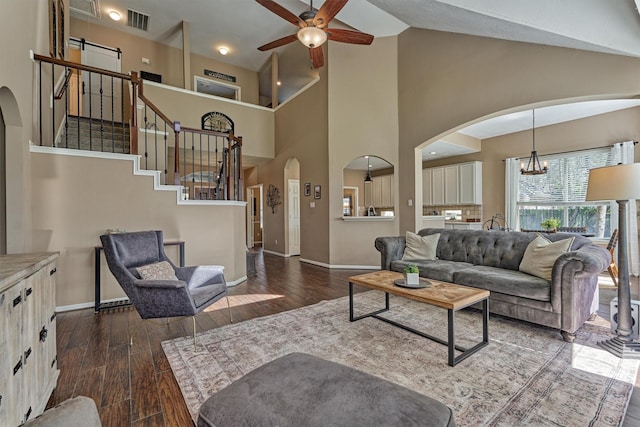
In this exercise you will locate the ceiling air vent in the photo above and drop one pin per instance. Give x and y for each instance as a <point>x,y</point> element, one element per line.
<point>137,20</point>
<point>85,7</point>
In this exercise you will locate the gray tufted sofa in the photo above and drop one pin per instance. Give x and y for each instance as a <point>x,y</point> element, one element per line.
<point>490,260</point>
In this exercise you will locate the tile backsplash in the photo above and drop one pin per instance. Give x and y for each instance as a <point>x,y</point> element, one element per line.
<point>469,212</point>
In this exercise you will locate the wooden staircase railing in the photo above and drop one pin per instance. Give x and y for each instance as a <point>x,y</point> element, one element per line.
<point>218,173</point>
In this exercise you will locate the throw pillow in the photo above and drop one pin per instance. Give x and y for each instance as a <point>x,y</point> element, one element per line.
<point>541,254</point>
<point>419,248</point>
<point>159,271</point>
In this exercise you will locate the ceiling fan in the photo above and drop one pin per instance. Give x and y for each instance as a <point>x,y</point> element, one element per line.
<point>313,31</point>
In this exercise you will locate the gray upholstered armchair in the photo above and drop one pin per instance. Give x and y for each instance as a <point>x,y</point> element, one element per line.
<point>166,290</point>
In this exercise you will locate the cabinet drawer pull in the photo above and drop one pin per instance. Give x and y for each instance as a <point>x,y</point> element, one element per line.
<point>53,316</point>
<point>29,291</point>
<point>17,300</point>
<point>27,354</point>
<point>17,367</point>
<point>43,334</point>
<point>28,414</point>
<point>53,271</point>
<point>53,362</point>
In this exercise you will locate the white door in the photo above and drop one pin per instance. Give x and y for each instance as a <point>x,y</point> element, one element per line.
<point>294,217</point>
<point>250,215</point>
<point>109,105</point>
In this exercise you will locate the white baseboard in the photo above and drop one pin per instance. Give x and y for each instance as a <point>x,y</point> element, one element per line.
<point>63,308</point>
<point>275,253</point>
<point>340,267</point>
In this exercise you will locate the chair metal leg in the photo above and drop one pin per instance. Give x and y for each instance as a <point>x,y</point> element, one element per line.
<point>195,342</point>
<point>229,309</point>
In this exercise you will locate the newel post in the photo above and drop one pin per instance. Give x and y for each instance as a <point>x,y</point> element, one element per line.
<point>176,157</point>
<point>133,127</point>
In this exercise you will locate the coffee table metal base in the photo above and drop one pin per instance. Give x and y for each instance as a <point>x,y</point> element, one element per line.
<point>450,342</point>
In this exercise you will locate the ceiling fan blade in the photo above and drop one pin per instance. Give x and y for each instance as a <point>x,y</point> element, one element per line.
<point>348,36</point>
<point>327,11</point>
<point>282,12</point>
<point>279,42</point>
<point>317,57</point>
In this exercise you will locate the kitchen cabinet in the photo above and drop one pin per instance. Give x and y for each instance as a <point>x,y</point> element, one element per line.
<point>470,183</point>
<point>458,184</point>
<point>437,186</point>
<point>426,187</point>
<point>451,196</point>
<point>28,369</point>
<point>432,221</point>
<point>382,191</point>
<point>463,225</point>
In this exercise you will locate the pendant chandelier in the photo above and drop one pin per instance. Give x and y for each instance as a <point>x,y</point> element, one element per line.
<point>533,166</point>
<point>367,178</point>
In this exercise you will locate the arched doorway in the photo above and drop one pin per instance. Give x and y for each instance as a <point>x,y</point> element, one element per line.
<point>3,186</point>
<point>16,213</point>
<point>292,206</point>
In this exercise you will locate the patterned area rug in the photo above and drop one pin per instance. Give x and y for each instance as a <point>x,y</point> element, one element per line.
<point>526,376</point>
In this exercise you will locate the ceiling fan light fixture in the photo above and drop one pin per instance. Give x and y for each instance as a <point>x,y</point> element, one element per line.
<point>312,36</point>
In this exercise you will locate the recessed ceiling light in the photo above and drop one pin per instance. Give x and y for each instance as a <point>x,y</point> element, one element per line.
<point>114,15</point>
<point>223,50</point>
<point>432,152</point>
<point>279,83</point>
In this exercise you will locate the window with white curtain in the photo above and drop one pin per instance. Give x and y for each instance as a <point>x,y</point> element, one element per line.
<point>560,194</point>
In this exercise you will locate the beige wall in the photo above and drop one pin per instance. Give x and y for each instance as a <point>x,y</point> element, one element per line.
<point>16,90</point>
<point>363,112</point>
<point>301,133</point>
<point>164,60</point>
<point>253,123</point>
<point>596,131</point>
<point>446,81</point>
<point>75,199</point>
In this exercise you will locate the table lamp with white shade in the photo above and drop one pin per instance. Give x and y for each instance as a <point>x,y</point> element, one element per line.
<point>620,183</point>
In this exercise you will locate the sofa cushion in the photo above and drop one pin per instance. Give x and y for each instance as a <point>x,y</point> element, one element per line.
<point>420,247</point>
<point>433,269</point>
<point>504,281</point>
<point>501,249</point>
<point>541,254</point>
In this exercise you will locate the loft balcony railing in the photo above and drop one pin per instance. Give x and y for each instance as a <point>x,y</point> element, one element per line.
<point>88,108</point>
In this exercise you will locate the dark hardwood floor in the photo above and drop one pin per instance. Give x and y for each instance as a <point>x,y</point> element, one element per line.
<point>134,385</point>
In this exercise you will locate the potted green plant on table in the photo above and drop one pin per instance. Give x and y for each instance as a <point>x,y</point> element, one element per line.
<point>550,224</point>
<point>411,275</point>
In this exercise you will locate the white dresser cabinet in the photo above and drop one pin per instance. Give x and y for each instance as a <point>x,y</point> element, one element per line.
<point>28,368</point>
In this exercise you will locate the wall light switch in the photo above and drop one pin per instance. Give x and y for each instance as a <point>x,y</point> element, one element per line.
<point>312,204</point>
<point>146,60</point>
<point>410,202</point>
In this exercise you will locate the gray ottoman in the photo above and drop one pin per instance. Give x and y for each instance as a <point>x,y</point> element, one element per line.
<point>303,390</point>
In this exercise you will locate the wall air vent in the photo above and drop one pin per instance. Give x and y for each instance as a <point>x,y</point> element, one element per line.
<point>137,20</point>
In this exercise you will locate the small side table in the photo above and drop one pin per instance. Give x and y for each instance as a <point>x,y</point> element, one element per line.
<point>99,305</point>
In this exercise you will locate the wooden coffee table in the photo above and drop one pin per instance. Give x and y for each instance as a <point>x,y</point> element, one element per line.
<point>440,294</point>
